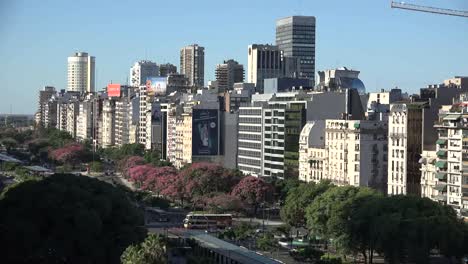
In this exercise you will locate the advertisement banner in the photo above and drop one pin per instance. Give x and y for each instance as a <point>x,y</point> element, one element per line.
<point>156,85</point>
<point>113,90</point>
<point>205,132</point>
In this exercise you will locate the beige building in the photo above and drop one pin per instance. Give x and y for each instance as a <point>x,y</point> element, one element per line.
<point>85,118</point>
<point>125,126</point>
<point>312,154</point>
<point>405,145</point>
<point>353,153</point>
<point>428,174</point>
<point>107,126</point>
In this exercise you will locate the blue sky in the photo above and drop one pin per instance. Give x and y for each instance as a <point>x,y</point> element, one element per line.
<point>390,47</point>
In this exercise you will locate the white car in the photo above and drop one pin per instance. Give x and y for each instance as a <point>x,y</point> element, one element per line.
<point>285,242</point>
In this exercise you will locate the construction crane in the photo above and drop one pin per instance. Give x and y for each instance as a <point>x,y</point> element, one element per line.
<point>427,9</point>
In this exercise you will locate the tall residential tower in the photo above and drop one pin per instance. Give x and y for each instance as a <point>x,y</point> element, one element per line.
<point>228,73</point>
<point>81,72</point>
<point>192,64</point>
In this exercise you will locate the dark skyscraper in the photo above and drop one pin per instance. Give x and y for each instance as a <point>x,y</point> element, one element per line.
<point>295,36</point>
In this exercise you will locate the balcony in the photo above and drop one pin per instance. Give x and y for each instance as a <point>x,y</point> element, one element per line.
<point>441,142</point>
<point>440,198</point>
<point>442,154</point>
<point>441,176</point>
<point>441,187</point>
<point>441,164</point>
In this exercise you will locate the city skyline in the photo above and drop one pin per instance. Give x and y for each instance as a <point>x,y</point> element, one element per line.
<point>389,47</point>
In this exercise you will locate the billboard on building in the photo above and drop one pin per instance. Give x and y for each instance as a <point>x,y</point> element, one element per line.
<point>205,132</point>
<point>113,90</point>
<point>156,85</point>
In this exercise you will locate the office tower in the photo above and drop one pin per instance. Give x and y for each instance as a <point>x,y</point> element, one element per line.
<point>81,72</point>
<point>228,73</point>
<point>192,64</point>
<point>249,153</point>
<point>142,70</point>
<point>264,61</point>
<point>268,141</point>
<point>295,36</point>
<point>167,69</point>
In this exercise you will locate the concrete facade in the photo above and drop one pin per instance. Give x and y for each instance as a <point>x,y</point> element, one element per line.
<point>81,72</point>
<point>192,64</point>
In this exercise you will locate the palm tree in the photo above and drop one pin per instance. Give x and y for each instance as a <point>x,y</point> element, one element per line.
<point>151,251</point>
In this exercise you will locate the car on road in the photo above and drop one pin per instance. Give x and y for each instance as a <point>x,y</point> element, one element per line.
<point>285,242</point>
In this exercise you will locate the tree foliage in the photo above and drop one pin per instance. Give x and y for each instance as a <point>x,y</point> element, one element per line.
<point>127,163</point>
<point>403,228</point>
<point>69,154</point>
<point>297,200</point>
<point>151,251</point>
<point>119,153</point>
<point>67,219</point>
<point>253,191</point>
<point>204,178</point>
<point>223,203</point>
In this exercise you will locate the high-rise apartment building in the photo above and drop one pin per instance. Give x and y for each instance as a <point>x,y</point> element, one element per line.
<point>295,36</point>
<point>44,97</point>
<point>264,61</point>
<point>228,73</point>
<point>192,64</point>
<point>411,131</point>
<point>107,126</point>
<point>85,118</point>
<point>451,177</point>
<point>142,70</point>
<point>81,76</point>
<point>167,69</point>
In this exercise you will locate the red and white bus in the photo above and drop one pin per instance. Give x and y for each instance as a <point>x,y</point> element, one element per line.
<point>207,221</point>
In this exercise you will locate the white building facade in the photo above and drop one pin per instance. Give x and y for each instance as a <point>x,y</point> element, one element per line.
<point>81,72</point>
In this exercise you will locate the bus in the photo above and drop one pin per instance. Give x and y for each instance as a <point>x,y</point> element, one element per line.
<point>207,221</point>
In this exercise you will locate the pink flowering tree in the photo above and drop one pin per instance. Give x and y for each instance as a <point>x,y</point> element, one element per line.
<point>139,174</point>
<point>69,154</point>
<point>202,179</point>
<point>174,187</point>
<point>253,191</point>
<point>223,202</point>
<point>156,178</point>
<point>129,162</point>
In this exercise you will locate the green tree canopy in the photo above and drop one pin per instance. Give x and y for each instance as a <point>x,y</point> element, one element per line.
<point>67,219</point>
<point>150,251</point>
<point>297,200</point>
